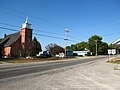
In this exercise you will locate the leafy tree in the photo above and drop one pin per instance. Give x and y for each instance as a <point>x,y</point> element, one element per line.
<point>82,46</point>
<point>36,46</point>
<point>111,46</point>
<point>73,47</point>
<point>54,49</point>
<point>68,48</point>
<point>101,46</point>
<point>78,47</point>
<point>1,39</point>
<point>117,47</point>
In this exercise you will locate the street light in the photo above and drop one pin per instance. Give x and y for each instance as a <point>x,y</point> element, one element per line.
<point>96,46</point>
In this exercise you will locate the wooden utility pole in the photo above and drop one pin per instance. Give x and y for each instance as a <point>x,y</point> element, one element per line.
<point>96,46</point>
<point>66,39</point>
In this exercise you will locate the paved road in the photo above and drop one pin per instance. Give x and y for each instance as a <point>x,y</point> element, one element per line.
<point>12,71</point>
<point>81,74</point>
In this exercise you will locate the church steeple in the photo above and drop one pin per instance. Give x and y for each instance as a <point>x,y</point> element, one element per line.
<point>26,20</point>
<point>26,24</point>
<point>26,38</point>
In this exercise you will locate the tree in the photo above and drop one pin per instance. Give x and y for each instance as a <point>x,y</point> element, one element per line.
<point>36,46</point>
<point>101,46</point>
<point>74,47</point>
<point>54,49</point>
<point>111,46</point>
<point>1,39</point>
<point>78,47</point>
<point>82,46</point>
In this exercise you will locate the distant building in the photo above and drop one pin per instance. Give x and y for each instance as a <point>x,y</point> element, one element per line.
<point>81,53</point>
<point>18,44</point>
<point>43,53</point>
<point>117,43</point>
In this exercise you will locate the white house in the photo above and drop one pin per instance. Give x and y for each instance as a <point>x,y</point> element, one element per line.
<point>83,53</point>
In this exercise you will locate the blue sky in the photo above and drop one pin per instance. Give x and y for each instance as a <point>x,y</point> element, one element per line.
<point>84,18</point>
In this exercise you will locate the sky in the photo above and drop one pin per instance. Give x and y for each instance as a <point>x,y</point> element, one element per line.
<point>49,18</point>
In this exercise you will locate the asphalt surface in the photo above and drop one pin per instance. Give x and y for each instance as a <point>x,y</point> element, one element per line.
<point>12,71</point>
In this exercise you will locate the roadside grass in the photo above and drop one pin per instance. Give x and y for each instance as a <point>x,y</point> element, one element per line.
<point>0,62</point>
<point>115,61</point>
<point>23,60</point>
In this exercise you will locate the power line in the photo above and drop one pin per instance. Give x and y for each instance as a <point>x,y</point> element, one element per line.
<point>48,32</point>
<point>3,23</point>
<point>8,29</point>
<point>22,13</point>
<point>33,29</point>
<point>36,18</point>
<point>48,36</point>
<point>36,34</point>
<point>107,24</point>
<point>46,21</point>
<point>111,34</point>
<point>9,24</point>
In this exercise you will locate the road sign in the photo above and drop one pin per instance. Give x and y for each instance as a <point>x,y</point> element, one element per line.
<point>109,51</point>
<point>112,51</point>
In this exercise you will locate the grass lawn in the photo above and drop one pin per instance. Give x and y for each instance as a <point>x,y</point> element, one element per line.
<point>23,60</point>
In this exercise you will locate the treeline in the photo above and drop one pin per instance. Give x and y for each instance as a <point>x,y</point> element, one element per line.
<point>93,42</point>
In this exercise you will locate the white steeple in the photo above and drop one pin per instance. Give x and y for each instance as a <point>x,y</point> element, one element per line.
<point>26,24</point>
<point>26,20</point>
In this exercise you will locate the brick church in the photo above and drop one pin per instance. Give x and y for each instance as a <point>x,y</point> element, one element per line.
<point>18,44</point>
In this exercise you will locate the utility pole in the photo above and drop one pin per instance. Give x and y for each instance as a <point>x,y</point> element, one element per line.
<point>66,39</point>
<point>96,46</point>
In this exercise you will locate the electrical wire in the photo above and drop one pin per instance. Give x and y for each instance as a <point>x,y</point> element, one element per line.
<point>37,34</point>
<point>46,21</point>
<point>34,17</point>
<point>33,29</point>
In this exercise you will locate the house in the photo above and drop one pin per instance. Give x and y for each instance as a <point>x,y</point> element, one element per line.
<point>18,44</point>
<point>117,44</point>
<point>81,53</point>
<point>43,53</point>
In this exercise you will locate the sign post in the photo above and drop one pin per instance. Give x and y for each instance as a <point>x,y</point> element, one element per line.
<point>111,51</point>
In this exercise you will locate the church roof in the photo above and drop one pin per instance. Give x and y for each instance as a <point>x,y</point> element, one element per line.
<point>10,39</point>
